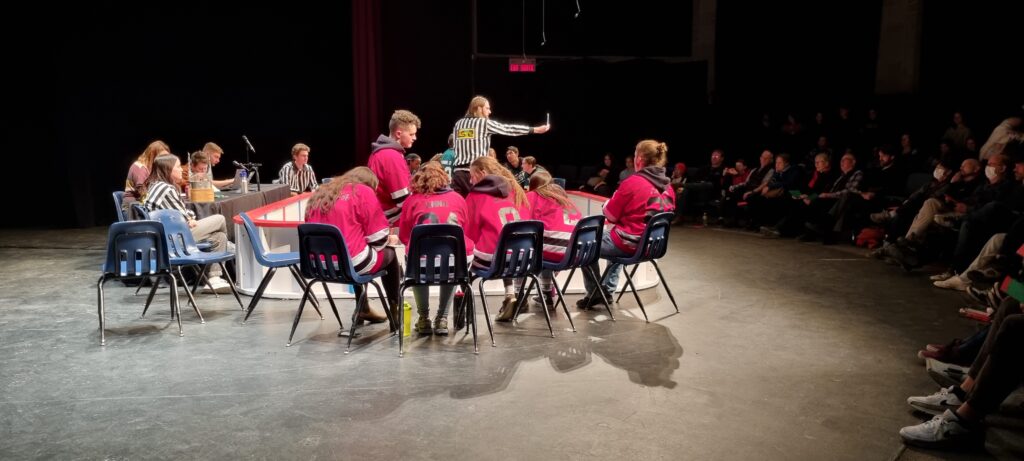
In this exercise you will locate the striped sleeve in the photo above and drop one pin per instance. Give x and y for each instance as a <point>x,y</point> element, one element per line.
<point>163,196</point>
<point>507,130</point>
<point>285,176</point>
<point>375,225</point>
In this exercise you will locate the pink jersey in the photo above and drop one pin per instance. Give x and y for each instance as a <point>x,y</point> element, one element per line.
<point>631,205</point>
<point>447,207</point>
<point>489,205</point>
<point>558,224</point>
<point>393,173</point>
<point>361,221</point>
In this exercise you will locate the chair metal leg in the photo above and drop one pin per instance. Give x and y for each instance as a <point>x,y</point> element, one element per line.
<point>471,312</point>
<point>564,288</point>
<point>102,313</point>
<point>302,283</point>
<point>202,278</point>
<point>600,289</point>
<point>629,282</point>
<point>665,283</point>
<point>401,321</point>
<point>190,298</point>
<point>152,280</point>
<point>231,283</point>
<point>175,305</point>
<point>298,314</point>
<point>341,326</point>
<point>564,307</point>
<point>544,304</point>
<point>631,274</point>
<point>360,299</point>
<point>149,299</point>
<point>259,293</point>
<point>526,287</point>
<point>395,327</point>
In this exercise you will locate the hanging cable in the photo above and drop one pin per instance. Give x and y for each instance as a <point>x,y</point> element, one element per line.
<point>522,34</point>
<point>543,22</point>
<point>578,10</point>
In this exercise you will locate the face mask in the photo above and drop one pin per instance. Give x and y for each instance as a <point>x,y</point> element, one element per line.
<point>939,173</point>
<point>990,172</point>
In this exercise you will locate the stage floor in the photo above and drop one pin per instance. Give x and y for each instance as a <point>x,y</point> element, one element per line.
<point>782,350</point>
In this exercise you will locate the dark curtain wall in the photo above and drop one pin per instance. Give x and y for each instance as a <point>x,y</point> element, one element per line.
<point>366,75</point>
<point>117,76</point>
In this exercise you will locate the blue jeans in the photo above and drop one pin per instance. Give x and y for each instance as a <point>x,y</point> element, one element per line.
<point>608,249</point>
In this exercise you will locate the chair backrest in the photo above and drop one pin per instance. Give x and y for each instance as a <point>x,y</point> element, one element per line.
<point>136,249</point>
<point>559,181</point>
<point>654,242</point>
<point>324,256</point>
<point>519,250</point>
<point>180,242</point>
<point>141,211</point>
<point>584,245</point>
<point>259,251</point>
<point>436,255</point>
<point>119,205</point>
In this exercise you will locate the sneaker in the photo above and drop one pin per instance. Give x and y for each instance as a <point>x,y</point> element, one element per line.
<point>441,326</point>
<point>770,232</point>
<point>990,297</point>
<point>231,247</point>
<point>219,286</point>
<point>943,276</point>
<point>946,374</point>
<point>371,316</point>
<point>937,403</point>
<point>548,301</point>
<point>508,308</point>
<point>951,221</point>
<point>881,217</point>
<point>587,303</point>
<point>423,326</point>
<point>943,431</point>
<point>953,283</point>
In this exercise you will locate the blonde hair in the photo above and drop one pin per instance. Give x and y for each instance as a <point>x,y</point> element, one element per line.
<point>542,184</point>
<point>401,119</point>
<point>211,148</point>
<point>429,178</point>
<point>653,153</point>
<point>154,149</point>
<point>530,160</point>
<point>475,105</point>
<point>299,147</point>
<point>324,197</point>
<point>487,165</point>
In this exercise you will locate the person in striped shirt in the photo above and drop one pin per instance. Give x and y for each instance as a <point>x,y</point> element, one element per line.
<point>349,203</point>
<point>162,193</point>
<point>472,135</point>
<point>298,174</point>
<point>642,195</point>
<point>387,161</point>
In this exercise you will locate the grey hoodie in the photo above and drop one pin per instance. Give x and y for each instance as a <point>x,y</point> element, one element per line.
<point>493,185</point>
<point>385,142</point>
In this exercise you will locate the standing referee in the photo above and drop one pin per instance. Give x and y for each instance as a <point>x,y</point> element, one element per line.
<point>472,135</point>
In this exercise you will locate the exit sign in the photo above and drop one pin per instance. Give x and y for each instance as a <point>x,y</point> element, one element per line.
<point>522,65</point>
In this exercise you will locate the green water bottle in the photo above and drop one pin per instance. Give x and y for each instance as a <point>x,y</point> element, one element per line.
<point>407,317</point>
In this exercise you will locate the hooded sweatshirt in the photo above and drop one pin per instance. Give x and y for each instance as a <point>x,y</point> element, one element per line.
<point>388,163</point>
<point>444,206</point>
<point>489,205</point>
<point>559,222</point>
<point>361,222</point>
<point>637,199</point>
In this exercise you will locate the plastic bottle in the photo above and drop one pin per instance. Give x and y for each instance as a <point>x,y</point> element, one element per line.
<point>407,319</point>
<point>244,176</point>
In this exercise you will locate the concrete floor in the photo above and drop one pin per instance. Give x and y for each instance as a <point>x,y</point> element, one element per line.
<point>783,350</point>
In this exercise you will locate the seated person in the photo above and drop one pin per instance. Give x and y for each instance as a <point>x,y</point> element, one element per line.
<point>198,167</point>
<point>515,164</point>
<point>756,178</point>
<point>214,153</point>
<point>706,187</point>
<point>530,167</point>
<point>628,171</point>
<point>605,180</point>
<point>135,184</point>
<point>766,203</point>
<point>162,193</point>
<point>349,202</point>
<point>413,162</point>
<point>297,173</point>
<point>821,181</point>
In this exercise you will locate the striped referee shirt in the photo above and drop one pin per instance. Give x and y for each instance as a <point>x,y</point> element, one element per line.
<point>473,137</point>
<point>299,181</point>
<point>163,196</point>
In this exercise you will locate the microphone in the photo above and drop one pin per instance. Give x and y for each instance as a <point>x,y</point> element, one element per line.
<point>247,143</point>
<point>238,165</point>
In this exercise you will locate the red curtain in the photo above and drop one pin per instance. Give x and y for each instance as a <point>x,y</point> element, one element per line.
<point>366,53</point>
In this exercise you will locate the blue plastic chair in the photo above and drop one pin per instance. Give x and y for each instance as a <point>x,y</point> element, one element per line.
<point>437,257</point>
<point>140,210</point>
<point>583,249</point>
<point>323,257</point>
<point>119,205</point>
<point>136,249</point>
<point>272,261</point>
<point>559,181</point>
<point>518,254</point>
<point>184,252</point>
<point>652,246</point>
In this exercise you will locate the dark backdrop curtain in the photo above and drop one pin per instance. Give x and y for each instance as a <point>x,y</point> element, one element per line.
<point>366,52</point>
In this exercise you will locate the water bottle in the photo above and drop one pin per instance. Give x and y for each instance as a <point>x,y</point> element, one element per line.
<point>244,176</point>
<point>407,319</point>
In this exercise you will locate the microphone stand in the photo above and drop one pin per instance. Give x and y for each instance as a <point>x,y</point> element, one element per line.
<point>255,167</point>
